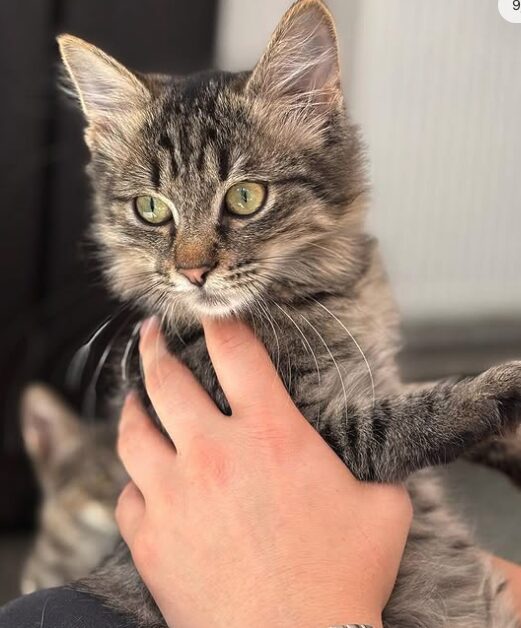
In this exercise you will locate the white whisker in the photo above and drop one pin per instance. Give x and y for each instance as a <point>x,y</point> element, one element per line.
<point>336,254</point>
<point>269,318</point>
<point>79,360</point>
<point>309,349</point>
<point>131,342</point>
<point>90,401</point>
<point>355,343</point>
<point>331,356</point>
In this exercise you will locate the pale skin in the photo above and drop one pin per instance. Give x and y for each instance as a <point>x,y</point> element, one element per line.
<point>250,519</point>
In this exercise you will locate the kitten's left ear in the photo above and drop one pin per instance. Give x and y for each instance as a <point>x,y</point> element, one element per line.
<point>106,89</point>
<point>301,63</point>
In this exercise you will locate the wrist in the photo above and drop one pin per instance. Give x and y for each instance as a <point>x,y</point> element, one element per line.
<point>330,617</point>
<point>338,616</point>
<point>353,626</point>
<point>361,623</point>
<point>365,618</point>
<point>336,608</point>
<point>375,624</point>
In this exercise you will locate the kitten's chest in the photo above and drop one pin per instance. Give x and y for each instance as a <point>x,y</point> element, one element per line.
<point>321,384</point>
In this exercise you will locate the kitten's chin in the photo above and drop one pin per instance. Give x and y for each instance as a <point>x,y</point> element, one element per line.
<point>203,303</point>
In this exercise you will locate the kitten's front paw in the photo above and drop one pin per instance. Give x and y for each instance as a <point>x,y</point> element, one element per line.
<point>502,453</point>
<point>502,384</point>
<point>507,456</point>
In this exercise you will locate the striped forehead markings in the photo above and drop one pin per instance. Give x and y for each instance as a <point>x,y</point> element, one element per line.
<point>155,172</point>
<point>166,143</point>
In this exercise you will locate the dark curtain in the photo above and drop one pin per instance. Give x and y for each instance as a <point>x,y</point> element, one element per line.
<point>50,294</point>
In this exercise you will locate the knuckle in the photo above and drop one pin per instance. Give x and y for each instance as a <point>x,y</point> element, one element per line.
<point>128,404</point>
<point>119,512</point>
<point>123,444</point>
<point>393,500</point>
<point>272,437</point>
<point>232,344</point>
<point>155,359</point>
<point>167,501</point>
<point>238,339</point>
<point>277,434</point>
<point>122,504</point>
<point>404,506</point>
<point>154,376</point>
<point>130,439</point>
<point>399,503</point>
<point>161,377</point>
<point>144,548</point>
<point>209,459</point>
<point>127,413</point>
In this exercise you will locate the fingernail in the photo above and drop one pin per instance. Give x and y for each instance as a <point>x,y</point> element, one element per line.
<point>147,324</point>
<point>131,396</point>
<point>128,401</point>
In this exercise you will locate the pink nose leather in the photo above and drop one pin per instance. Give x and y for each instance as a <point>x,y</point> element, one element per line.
<point>197,276</point>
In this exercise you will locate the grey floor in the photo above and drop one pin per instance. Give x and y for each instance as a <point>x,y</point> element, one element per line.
<point>490,504</point>
<point>487,501</point>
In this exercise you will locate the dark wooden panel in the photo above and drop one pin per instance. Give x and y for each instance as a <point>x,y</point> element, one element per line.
<point>48,299</point>
<point>25,55</point>
<point>24,114</point>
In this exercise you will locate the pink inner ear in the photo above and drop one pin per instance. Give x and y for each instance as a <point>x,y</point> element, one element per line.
<point>37,436</point>
<point>301,62</point>
<point>105,88</point>
<point>318,50</point>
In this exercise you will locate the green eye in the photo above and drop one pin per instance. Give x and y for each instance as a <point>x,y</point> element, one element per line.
<point>245,198</point>
<point>153,209</point>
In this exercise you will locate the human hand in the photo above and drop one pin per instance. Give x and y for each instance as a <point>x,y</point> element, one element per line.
<point>251,519</point>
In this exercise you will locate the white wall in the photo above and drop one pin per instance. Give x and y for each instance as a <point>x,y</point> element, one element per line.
<point>436,87</point>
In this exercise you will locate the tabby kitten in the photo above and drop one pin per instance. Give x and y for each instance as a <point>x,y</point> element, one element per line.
<point>245,194</point>
<point>79,476</point>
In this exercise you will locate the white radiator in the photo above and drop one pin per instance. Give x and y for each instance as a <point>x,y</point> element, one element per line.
<point>436,87</point>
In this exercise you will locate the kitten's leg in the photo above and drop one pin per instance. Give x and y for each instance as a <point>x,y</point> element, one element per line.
<point>502,453</point>
<point>426,427</point>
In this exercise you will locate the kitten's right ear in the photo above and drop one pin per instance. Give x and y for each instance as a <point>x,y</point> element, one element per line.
<point>106,89</point>
<point>50,429</point>
<point>301,67</point>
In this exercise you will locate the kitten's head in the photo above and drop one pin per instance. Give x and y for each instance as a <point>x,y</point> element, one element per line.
<point>80,476</point>
<point>219,192</point>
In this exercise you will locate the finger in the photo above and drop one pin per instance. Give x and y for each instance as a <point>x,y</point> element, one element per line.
<point>146,454</point>
<point>130,511</point>
<point>244,369</point>
<point>395,512</point>
<point>180,401</point>
<point>513,574</point>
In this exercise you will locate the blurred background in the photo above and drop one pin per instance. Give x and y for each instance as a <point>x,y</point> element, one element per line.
<point>437,89</point>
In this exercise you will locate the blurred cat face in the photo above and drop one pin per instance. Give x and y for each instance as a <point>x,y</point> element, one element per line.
<point>221,193</point>
<point>80,477</point>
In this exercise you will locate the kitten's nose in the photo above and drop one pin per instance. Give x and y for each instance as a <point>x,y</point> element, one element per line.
<point>197,276</point>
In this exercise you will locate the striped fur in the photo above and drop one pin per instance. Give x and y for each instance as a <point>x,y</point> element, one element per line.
<point>304,273</point>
